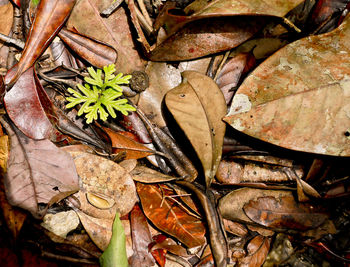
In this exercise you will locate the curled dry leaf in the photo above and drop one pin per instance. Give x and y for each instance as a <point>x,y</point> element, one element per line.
<point>231,205</point>
<point>37,171</point>
<point>258,248</point>
<point>113,30</point>
<point>169,217</point>
<point>93,51</point>
<point>284,213</point>
<point>104,177</point>
<point>198,106</point>
<point>302,93</point>
<point>49,19</point>
<point>147,175</point>
<point>133,149</point>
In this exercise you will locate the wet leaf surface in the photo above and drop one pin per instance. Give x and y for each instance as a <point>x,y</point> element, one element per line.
<point>301,92</point>
<point>199,116</point>
<point>169,217</point>
<point>36,171</point>
<point>284,212</point>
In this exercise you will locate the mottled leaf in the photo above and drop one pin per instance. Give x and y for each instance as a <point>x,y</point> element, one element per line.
<point>198,107</point>
<point>107,178</point>
<point>231,205</point>
<point>284,212</point>
<point>169,217</point>
<point>36,172</point>
<point>302,94</point>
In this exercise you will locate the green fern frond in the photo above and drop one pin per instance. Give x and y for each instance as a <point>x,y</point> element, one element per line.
<point>103,95</point>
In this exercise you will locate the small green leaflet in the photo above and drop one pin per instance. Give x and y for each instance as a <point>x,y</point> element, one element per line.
<point>115,254</point>
<point>35,2</point>
<point>101,96</point>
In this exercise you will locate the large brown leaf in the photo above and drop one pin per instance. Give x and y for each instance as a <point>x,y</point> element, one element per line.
<point>284,212</point>
<point>50,16</point>
<point>169,217</point>
<point>113,30</point>
<point>299,97</point>
<point>198,107</point>
<point>27,103</point>
<point>36,172</point>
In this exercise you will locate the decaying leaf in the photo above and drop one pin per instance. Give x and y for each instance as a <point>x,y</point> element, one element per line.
<point>141,238</point>
<point>169,217</point>
<point>284,212</point>
<point>231,205</point>
<point>4,152</point>
<point>302,92</point>
<point>198,106</point>
<point>36,172</point>
<point>258,249</point>
<point>107,178</point>
<point>113,30</point>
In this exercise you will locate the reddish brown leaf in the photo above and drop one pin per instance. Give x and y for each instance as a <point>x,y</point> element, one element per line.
<point>50,16</point>
<point>113,30</point>
<point>133,149</point>
<point>37,171</point>
<point>257,248</point>
<point>233,72</point>
<point>93,51</point>
<point>169,217</point>
<point>27,103</point>
<point>284,212</point>
<point>141,238</point>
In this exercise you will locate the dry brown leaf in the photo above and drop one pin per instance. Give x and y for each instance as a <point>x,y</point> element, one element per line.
<point>198,106</point>
<point>6,18</point>
<point>147,175</point>
<point>258,249</point>
<point>302,94</point>
<point>231,205</point>
<point>113,30</point>
<point>105,177</point>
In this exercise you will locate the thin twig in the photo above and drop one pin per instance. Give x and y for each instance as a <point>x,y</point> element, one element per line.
<point>113,7</point>
<point>223,61</point>
<point>7,39</point>
<point>144,12</point>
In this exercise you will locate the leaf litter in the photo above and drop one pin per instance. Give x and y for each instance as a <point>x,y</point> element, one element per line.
<point>201,194</point>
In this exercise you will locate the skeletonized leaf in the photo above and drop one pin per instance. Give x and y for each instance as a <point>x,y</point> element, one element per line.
<point>37,171</point>
<point>198,107</point>
<point>302,94</point>
<point>284,212</point>
<point>170,218</point>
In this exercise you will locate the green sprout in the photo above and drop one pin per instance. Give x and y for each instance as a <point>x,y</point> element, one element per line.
<point>99,94</point>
